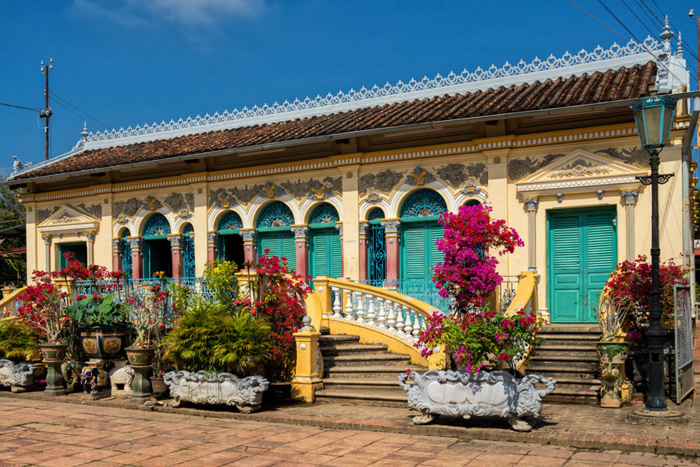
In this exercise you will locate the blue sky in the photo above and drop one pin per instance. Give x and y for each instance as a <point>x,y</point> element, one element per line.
<point>130,62</point>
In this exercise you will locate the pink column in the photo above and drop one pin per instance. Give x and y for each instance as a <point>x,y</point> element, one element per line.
<point>301,242</point>
<point>364,226</point>
<point>136,257</point>
<point>212,246</point>
<point>176,252</point>
<point>391,228</point>
<point>117,254</point>
<point>249,248</point>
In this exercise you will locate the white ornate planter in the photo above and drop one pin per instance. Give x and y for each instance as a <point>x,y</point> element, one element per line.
<point>19,376</point>
<point>224,388</point>
<point>460,393</point>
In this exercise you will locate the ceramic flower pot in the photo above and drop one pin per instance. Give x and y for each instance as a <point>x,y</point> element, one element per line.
<point>53,355</point>
<point>158,386</point>
<point>612,373</point>
<point>140,357</point>
<point>141,360</point>
<point>105,344</point>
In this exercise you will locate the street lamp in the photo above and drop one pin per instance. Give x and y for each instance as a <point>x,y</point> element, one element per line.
<point>653,116</point>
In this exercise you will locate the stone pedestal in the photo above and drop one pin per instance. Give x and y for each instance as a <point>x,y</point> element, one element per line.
<point>141,385</point>
<point>55,384</point>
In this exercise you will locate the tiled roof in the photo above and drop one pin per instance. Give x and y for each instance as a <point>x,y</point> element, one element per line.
<point>598,87</point>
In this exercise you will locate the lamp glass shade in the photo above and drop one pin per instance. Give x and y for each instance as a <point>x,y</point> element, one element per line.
<point>653,117</point>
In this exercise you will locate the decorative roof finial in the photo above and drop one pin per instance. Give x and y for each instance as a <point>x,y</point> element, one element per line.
<point>679,49</point>
<point>85,133</point>
<point>667,33</point>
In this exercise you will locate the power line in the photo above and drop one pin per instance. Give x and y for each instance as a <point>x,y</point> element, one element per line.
<point>33,109</point>
<point>53,94</point>
<point>597,20</point>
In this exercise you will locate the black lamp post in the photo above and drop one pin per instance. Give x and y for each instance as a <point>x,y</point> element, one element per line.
<point>653,117</point>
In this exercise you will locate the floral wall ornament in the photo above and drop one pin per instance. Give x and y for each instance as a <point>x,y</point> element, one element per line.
<point>175,201</point>
<point>471,189</point>
<point>185,214</point>
<point>151,203</point>
<point>270,190</point>
<point>318,192</point>
<point>419,177</point>
<point>373,198</point>
<point>246,193</point>
<point>580,168</point>
<point>456,174</point>
<point>43,214</point>
<point>122,219</point>
<point>129,207</point>
<point>93,210</point>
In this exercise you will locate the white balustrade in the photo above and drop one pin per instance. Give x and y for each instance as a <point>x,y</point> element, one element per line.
<point>349,309</point>
<point>381,319</point>
<point>360,308</point>
<point>371,314</point>
<point>399,318</point>
<point>391,322</point>
<point>337,307</point>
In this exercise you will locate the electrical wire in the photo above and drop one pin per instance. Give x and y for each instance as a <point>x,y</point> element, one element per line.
<point>598,21</point>
<point>33,109</point>
<point>53,94</point>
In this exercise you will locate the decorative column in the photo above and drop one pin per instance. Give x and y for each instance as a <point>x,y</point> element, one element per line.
<point>90,236</point>
<point>116,254</point>
<point>531,204</point>
<point>249,247</point>
<point>391,231</point>
<point>47,246</point>
<point>339,226</point>
<point>136,256</point>
<point>306,380</point>
<point>630,201</point>
<point>176,242</point>
<point>212,246</point>
<point>301,243</point>
<point>364,227</point>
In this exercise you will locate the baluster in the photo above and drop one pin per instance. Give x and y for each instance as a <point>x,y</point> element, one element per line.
<point>360,307</point>
<point>337,307</point>
<point>349,311</point>
<point>399,318</point>
<point>371,313</point>
<point>391,321</point>
<point>381,319</point>
<point>416,327</point>
<point>408,327</point>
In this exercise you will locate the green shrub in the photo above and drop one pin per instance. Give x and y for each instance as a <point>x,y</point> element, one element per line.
<point>17,340</point>
<point>210,337</point>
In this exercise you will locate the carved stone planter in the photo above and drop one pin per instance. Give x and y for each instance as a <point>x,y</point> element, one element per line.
<point>224,388</point>
<point>18,376</point>
<point>612,373</point>
<point>53,355</point>
<point>140,360</point>
<point>460,393</point>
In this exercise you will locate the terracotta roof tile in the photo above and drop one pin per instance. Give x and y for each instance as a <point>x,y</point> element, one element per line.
<point>624,83</point>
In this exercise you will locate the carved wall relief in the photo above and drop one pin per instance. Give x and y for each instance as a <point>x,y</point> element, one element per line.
<point>458,174</point>
<point>635,156</point>
<point>521,168</point>
<point>94,210</point>
<point>176,202</point>
<point>43,214</point>
<point>313,188</point>
<point>579,168</point>
<point>419,177</point>
<point>221,198</point>
<point>152,203</point>
<point>129,207</point>
<point>246,194</point>
<point>384,181</point>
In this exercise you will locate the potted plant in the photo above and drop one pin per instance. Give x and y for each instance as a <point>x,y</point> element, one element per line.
<point>612,350</point>
<point>479,342</point>
<point>18,343</point>
<point>208,345</point>
<point>44,310</point>
<point>145,317</point>
<point>104,331</point>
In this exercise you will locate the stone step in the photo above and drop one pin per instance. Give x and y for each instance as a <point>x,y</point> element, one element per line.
<point>565,357</point>
<point>384,397</point>
<point>338,349</point>
<point>544,353</point>
<point>337,339</point>
<point>563,366</point>
<point>365,359</point>
<point>370,371</point>
<point>577,329</point>
<point>362,383</point>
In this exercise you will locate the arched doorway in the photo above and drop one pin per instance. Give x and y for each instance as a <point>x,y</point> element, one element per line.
<point>274,232</point>
<point>472,202</point>
<point>325,256</point>
<point>126,263</point>
<point>419,232</point>
<point>230,240</point>
<point>376,248</point>
<point>156,247</point>
<point>188,259</point>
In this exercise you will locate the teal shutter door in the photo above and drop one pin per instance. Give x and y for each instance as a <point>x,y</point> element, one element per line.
<point>289,250</point>
<point>280,244</point>
<point>583,254</point>
<point>565,231</point>
<point>436,256</point>
<point>325,257</point>
<point>413,252</point>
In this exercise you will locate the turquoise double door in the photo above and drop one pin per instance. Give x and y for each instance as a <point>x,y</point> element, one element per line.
<point>582,253</point>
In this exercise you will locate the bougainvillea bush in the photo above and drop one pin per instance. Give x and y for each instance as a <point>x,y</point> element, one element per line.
<point>629,289</point>
<point>277,296</point>
<point>477,339</point>
<point>44,307</point>
<point>472,335</point>
<point>470,241</point>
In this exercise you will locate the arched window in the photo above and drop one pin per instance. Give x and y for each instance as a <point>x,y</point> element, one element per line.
<point>157,255</point>
<point>189,265</point>
<point>325,257</point>
<point>472,202</point>
<point>230,240</point>
<point>419,233</point>
<point>376,248</point>
<point>126,265</point>
<point>274,232</point>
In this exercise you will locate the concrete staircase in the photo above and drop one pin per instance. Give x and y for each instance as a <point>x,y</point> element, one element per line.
<point>365,373</point>
<point>569,356</point>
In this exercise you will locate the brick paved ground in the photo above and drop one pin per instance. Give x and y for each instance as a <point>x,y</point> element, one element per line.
<point>57,434</point>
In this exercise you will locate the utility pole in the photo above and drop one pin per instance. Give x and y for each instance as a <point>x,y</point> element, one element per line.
<point>46,111</point>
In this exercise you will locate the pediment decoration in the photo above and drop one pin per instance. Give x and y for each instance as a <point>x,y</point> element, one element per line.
<point>69,219</point>
<point>581,171</point>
